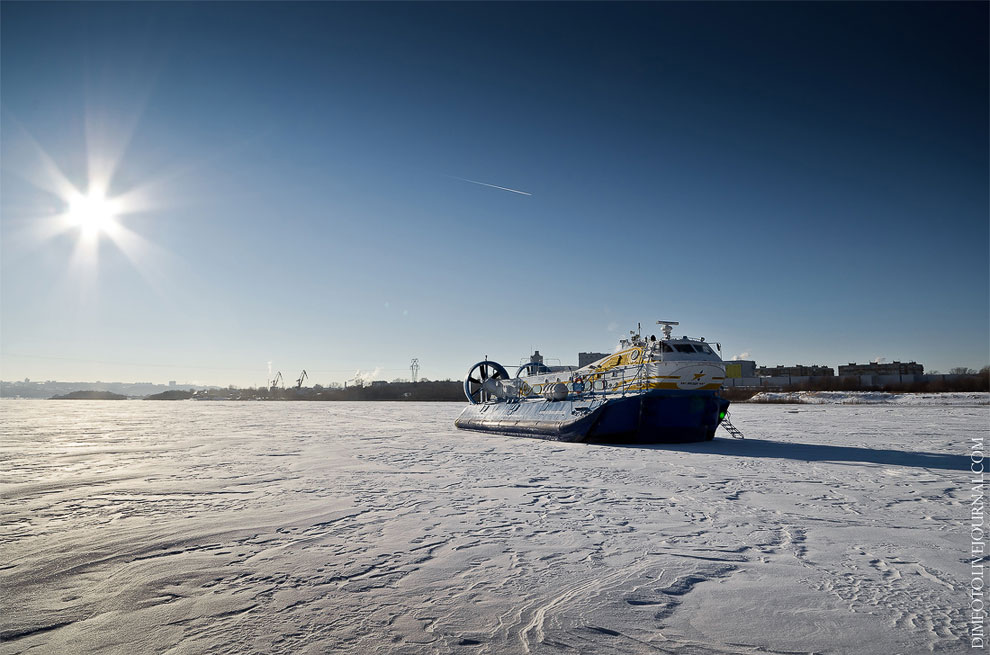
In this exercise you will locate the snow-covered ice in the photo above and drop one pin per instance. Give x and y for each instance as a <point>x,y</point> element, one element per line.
<point>959,399</point>
<point>195,527</point>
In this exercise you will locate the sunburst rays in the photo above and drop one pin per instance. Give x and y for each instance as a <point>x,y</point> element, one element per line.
<point>89,214</point>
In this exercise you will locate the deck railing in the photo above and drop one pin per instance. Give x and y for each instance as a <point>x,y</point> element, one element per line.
<point>606,383</point>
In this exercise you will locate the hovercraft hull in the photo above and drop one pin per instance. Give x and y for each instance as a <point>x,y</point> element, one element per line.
<point>658,416</point>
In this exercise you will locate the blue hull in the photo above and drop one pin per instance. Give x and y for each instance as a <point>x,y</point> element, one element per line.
<point>659,416</point>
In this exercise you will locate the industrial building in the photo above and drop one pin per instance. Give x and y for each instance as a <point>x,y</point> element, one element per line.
<point>886,368</point>
<point>798,370</point>
<point>745,372</point>
<point>740,368</point>
<point>587,358</point>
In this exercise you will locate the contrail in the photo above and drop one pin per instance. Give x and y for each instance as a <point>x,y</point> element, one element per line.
<point>494,186</point>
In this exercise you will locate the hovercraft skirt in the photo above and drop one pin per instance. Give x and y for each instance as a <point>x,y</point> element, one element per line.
<point>655,417</point>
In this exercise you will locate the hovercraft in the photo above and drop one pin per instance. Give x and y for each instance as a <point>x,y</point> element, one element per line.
<point>649,390</point>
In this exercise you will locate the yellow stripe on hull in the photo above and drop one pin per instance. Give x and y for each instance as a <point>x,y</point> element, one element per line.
<point>669,385</point>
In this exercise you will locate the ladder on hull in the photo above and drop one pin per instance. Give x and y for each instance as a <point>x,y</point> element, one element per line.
<point>731,429</point>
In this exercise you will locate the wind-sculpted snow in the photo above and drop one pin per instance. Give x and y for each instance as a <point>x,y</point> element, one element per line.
<point>133,527</point>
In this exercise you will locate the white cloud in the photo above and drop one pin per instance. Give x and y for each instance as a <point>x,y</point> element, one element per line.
<point>744,355</point>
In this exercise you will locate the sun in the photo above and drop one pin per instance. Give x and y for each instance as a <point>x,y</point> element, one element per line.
<point>96,214</point>
<point>93,212</point>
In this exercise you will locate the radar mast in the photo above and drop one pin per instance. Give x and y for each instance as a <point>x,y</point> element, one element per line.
<point>668,327</point>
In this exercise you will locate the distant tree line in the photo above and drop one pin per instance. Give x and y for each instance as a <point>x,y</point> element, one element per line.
<point>406,391</point>
<point>446,390</point>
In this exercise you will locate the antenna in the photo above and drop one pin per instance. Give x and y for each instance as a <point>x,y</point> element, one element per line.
<point>414,368</point>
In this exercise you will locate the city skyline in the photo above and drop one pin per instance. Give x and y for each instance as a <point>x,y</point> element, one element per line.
<point>191,191</point>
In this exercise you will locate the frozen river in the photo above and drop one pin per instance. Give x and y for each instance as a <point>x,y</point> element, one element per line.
<point>197,527</point>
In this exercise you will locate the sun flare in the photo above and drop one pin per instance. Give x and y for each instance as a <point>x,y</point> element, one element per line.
<point>92,212</point>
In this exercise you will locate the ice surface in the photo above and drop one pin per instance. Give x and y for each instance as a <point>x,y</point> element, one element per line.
<point>196,527</point>
<point>958,399</point>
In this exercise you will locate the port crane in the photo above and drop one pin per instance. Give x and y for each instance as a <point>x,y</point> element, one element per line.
<point>277,380</point>
<point>302,378</point>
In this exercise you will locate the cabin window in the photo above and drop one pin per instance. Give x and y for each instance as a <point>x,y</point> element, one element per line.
<point>683,347</point>
<point>702,348</point>
<point>666,348</point>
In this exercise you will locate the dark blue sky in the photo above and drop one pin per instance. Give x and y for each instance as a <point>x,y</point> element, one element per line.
<point>801,181</point>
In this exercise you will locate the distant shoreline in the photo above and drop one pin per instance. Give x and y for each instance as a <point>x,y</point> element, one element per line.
<point>452,391</point>
<point>785,397</point>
